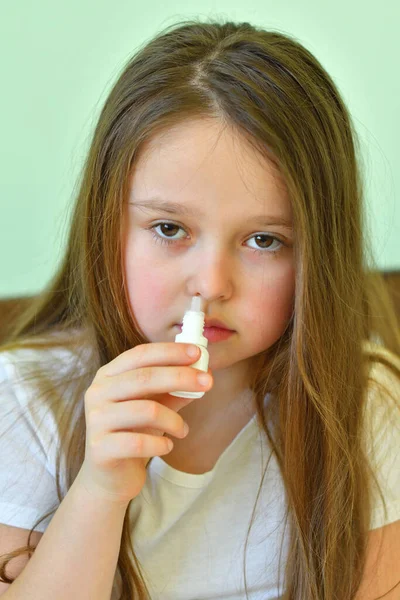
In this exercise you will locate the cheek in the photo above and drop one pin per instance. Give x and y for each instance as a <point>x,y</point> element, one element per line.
<point>272,305</point>
<point>149,285</point>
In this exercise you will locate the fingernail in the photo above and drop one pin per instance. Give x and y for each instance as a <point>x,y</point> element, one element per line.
<point>192,351</point>
<point>204,379</point>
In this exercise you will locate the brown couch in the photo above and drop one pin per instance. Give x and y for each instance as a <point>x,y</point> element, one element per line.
<point>9,307</point>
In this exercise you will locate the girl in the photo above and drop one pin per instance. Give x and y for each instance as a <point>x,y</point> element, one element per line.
<point>224,164</point>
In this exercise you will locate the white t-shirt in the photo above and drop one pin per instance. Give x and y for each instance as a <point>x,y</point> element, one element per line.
<point>189,529</point>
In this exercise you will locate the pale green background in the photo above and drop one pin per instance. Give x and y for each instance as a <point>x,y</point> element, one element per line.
<point>59,59</point>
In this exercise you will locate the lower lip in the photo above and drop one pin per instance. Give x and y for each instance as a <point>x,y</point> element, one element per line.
<point>215,334</point>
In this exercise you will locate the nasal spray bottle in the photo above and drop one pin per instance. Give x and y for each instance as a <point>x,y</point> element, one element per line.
<point>192,333</point>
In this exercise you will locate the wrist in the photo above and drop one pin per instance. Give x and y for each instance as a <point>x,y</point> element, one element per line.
<point>101,498</point>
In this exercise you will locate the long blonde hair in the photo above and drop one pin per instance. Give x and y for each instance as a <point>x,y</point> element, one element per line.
<point>269,88</point>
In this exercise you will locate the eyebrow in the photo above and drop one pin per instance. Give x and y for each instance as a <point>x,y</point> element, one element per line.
<point>174,208</point>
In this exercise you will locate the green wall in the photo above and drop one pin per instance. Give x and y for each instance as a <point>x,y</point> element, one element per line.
<point>60,59</point>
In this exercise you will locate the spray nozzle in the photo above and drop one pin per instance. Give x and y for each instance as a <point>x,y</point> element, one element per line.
<point>197,304</point>
<point>193,324</point>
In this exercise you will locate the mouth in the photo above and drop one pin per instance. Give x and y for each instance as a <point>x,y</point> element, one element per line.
<point>214,334</point>
<point>212,324</point>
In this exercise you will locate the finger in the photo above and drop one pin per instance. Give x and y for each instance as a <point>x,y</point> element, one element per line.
<point>135,415</point>
<point>151,354</point>
<point>145,382</point>
<point>109,449</point>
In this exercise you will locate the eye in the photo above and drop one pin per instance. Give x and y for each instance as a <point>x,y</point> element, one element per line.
<point>267,249</point>
<point>259,236</point>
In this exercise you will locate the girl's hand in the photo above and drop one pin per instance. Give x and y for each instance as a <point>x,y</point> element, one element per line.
<point>128,410</point>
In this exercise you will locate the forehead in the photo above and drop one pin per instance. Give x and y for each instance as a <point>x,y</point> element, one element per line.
<point>199,163</point>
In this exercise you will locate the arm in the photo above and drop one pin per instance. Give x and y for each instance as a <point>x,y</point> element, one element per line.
<point>77,554</point>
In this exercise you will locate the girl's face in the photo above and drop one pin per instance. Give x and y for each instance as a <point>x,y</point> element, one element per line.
<point>222,204</point>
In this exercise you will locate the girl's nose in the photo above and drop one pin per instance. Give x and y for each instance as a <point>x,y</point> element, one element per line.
<point>212,278</point>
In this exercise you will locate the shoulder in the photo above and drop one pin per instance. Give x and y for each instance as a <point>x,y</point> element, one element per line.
<point>383,369</point>
<point>383,389</point>
<point>24,415</point>
<point>378,354</point>
<point>36,384</point>
<point>382,433</point>
<point>54,362</point>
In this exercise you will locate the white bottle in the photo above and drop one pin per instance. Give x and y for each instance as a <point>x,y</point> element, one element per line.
<point>192,333</point>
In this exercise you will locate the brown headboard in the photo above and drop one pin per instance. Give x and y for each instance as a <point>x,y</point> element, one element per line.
<point>9,307</point>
